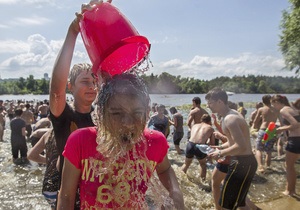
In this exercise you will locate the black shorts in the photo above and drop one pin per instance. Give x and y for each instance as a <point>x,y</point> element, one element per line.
<point>177,136</point>
<point>192,150</point>
<point>222,167</point>
<point>237,182</point>
<point>293,144</point>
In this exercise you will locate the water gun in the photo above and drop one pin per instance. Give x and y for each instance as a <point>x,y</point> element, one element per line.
<point>270,133</point>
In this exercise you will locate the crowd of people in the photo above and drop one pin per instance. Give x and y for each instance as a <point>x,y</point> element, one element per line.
<point>218,125</point>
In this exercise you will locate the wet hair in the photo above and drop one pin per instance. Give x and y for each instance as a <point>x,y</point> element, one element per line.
<point>266,99</point>
<point>241,103</point>
<point>197,100</point>
<point>281,99</point>
<point>173,110</point>
<point>125,84</point>
<point>206,118</point>
<point>217,94</point>
<point>77,69</point>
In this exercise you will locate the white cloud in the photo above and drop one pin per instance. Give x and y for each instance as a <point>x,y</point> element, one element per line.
<point>35,57</point>
<point>165,40</point>
<point>203,67</point>
<point>29,21</point>
<point>13,46</point>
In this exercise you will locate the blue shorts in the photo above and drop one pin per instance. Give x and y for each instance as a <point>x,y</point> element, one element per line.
<point>268,146</point>
<point>50,198</point>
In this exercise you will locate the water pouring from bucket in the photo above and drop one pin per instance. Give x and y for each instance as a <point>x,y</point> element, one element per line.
<point>113,44</point>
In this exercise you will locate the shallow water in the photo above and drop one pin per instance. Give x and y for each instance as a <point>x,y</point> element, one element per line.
<point>20,186</point>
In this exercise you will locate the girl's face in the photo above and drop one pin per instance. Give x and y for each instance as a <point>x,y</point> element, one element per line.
<point>125,117</point>
<point>276,105</point>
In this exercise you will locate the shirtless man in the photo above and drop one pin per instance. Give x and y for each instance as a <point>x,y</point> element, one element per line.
<point>265,115</point>
<point>195,114</point>
<point>28,117</point>
<point>201,133</point>
<point>243,164</point>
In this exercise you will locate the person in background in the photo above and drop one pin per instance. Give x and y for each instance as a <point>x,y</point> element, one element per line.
<point>264,116</point>
<point>2,123</point>
<point>43,109</point>
<point>166,113</point>
<point>241,109</point>
<point>80,81</point>
<point>221,168</point>
<point>177,122</point>
<point>153,109</point>
<point>159,121</point>
<point>253,114</point>
<point>28,117</point>
<point>42,123</point>
<point>243,164</point>
<point>11,111</point>
<point>51,175</point>
<point>201,133</point>
<point>18,139</point>
<point>114,150</point>
<point>296,104</point>
<point>37,135</point>
<point>254,132</point>
<point>291,123</point>
<point>195,114</point>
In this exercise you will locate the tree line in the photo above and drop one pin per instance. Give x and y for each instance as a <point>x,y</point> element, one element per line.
<point>166,83</point>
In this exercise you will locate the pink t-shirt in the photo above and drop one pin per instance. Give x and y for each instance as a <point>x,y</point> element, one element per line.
<point>108,190</point>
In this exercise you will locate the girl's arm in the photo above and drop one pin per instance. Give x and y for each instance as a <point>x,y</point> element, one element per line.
<point>68,188</point>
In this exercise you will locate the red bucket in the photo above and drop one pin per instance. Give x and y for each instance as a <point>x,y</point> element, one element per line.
<point>112,42</point>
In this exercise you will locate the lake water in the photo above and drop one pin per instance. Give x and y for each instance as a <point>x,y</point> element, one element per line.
<point>20,186</point>
<point>166,99</point>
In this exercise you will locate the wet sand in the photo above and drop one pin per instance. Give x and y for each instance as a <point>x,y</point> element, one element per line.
<point>266,189</point>
<point>281,203</point>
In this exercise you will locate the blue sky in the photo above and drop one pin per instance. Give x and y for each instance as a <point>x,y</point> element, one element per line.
<point>192,38</point>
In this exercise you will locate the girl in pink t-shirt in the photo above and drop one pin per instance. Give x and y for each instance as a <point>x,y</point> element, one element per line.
<point>113,163</point>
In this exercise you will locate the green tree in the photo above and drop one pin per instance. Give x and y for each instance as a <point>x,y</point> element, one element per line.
<point>290,38</point>
<point>31,84</point>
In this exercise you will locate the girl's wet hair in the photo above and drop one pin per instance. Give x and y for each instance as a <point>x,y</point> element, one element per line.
<point>125,84</point>
<point>281,99</point>
<point>77,69</point>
